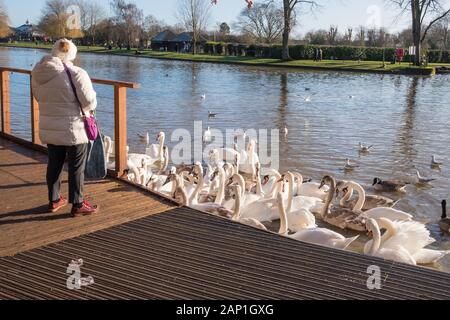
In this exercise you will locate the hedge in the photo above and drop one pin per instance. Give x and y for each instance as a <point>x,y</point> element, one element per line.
<point>307,52</point>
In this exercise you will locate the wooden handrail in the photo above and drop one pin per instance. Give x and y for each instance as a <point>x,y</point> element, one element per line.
<point>120,113</point>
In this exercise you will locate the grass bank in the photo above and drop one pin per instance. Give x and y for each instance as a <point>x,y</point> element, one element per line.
<point>331,65</point>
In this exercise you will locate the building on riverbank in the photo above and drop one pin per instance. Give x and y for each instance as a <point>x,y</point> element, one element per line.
<point>26,32</point>
<point>183,42</point>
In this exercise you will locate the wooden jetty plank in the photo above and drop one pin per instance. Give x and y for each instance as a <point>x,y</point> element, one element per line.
<point>24,225</point>
<point>164,256</point>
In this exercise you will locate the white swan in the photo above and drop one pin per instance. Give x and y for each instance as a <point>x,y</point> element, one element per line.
<point>269,182</point>
<point>155,151</point>
<point>371,201</point>
<point>265,209</point>
<point>249,158</point>
<point>406,239</point>
<point>312,204</point>
<point>237,212</point>
<point>207,136</point>
<point>375,213</point>
<point>310,189</point>
<point>211,208</point>
<point>320,236</point>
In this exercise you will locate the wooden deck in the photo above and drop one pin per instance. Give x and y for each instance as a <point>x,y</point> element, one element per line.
<point>24,225</point>
<point>144,247</point>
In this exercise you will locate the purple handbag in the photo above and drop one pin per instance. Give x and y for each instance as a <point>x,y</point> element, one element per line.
<point>90,123</point>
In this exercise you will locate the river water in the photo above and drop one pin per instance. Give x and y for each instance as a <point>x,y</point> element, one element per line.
<point>405,118</point>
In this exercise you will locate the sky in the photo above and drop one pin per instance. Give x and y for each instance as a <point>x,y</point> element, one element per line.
<point>342,13</point>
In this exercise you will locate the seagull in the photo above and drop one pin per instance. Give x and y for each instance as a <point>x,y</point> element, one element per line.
<point>204,96</point>
<point>363,148</point>
<point>211,114</point>
<point>286,131</point>
<point>423,180</point>
<point>434,163</point>
<point>307,98</point>
<point>350,166</point>
<point>144,138</point>
<point>351,97</point>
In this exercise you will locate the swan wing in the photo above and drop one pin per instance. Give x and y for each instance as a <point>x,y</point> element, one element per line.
<point>322,236</point>
<point>301,219</point>
<point>389,213</point>
<point>263,211</point>
<point>428,256</point>
<point>398,254</point>
<point>411,235</point>
<point>153,151</point>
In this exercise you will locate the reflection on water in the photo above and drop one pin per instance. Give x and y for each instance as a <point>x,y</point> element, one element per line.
<point>405,118</point>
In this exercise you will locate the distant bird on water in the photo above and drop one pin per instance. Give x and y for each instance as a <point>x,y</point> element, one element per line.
<point>350,166</point>
<point>363,148</point>
<point>211,114</point>
<point>204,96</point>
<point>435,163</point>
<point>444,224</point>
<point>286,131</point>
<point>423,180</point>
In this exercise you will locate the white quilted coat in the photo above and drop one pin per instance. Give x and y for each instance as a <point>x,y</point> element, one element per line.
<point>60,118</point>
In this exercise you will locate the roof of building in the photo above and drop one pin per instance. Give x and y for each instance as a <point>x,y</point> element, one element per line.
<point>186,37</point>
<point>165,35</point>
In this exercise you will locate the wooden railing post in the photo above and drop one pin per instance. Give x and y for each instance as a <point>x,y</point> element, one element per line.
<point>5,107</point>
<point>120,124</point>
<point>34,118</point>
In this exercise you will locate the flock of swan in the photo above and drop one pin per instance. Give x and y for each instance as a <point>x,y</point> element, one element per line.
<point>229,184</point>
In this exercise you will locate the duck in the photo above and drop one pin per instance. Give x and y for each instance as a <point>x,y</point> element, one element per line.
<point>364,149</point>
<point>434,163</point>
<point>444,223</point>
<point>340,217</point>
<point>403,241</point>
<point>371,201</point>
<point>319,236</point>
<point>389,186</point>
<point>423,180</point>
<point>376,212</point>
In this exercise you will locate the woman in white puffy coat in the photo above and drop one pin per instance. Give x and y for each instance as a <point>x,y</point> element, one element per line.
<point>61,123</point>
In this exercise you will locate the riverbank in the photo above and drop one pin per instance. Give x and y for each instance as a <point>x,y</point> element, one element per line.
<point>327,65</point>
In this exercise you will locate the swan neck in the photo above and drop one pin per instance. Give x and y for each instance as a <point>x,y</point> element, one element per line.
<point>376,243</point>
<point>347,197</point>
<point>237,205</point>
<point>258,185</point>
<point>444,211</point>
<point>329,197</point>
<point>221,192</point>
<point>290,178</point>
<point>283,217</point>
<point>361,197</point>
<point>194,196</point>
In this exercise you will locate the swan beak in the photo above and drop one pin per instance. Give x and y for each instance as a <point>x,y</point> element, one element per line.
<point>322,184</point>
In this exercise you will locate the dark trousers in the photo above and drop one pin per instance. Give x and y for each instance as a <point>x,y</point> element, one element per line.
<point>76,157</point>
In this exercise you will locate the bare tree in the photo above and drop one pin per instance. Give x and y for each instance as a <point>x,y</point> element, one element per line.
<point>361,36</point>
<point>332,35</point>
<point>348,37</point>
<point>194,15</point>
<point>264,22</point>
<point>4,21</point>
<point>53,21</point>
<point>91,15</point>
<point>129,18</point>
<point>425,14</point>
<point>153,26</point>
